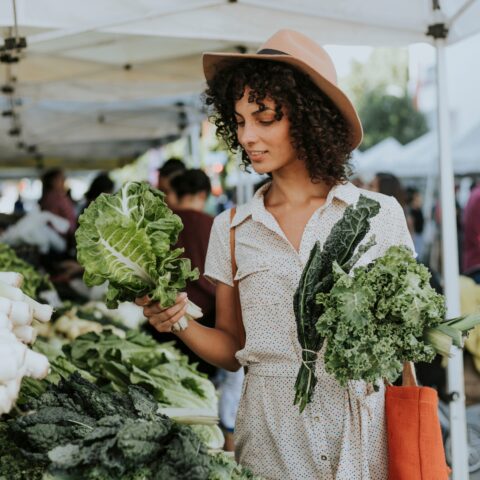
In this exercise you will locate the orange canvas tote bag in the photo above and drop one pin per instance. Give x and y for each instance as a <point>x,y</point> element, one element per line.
<point>415,447</point>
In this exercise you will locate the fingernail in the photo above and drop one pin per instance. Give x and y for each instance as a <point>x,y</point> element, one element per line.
<point>183,295</point>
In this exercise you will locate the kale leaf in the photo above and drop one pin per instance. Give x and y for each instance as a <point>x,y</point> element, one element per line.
<point>317,276</point>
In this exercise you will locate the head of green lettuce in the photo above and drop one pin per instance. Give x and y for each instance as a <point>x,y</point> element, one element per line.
<point>127,239</point>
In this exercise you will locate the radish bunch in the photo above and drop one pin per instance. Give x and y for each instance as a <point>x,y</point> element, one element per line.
<point>17,312</point>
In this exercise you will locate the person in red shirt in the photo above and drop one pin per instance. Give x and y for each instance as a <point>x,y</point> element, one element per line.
<point>471,235</point>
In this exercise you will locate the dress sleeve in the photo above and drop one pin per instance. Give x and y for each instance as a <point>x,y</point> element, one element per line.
<point>218,266</point>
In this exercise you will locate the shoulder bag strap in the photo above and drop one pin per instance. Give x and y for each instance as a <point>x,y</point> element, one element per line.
<point>238,308</point>
<point>409,378</point>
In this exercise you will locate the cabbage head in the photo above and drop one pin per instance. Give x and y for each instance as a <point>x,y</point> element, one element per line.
<point>127,239</point>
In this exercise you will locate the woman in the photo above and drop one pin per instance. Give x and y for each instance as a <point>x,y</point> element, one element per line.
<point>55,199</point>
<point>390,185</point>
<point>281,107</point>
<point>166,173</point>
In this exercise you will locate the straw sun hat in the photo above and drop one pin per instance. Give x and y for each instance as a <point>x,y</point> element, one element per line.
<point>301,52</point>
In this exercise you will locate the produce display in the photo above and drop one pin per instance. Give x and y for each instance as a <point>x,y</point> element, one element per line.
<point>17,312</point>
<point>317,277</point>
<point>127,239</point>
<point>71,320</point>
<point>93,422</point>
<point>382,315</point>
<point>109,404</point>
<point>138,359</point>
<point>77,431</point>
<point>115,363</point>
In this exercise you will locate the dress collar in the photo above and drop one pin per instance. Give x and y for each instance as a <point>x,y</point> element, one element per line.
<point>255,208</point>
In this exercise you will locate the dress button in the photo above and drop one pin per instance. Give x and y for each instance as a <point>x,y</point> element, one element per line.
<point>323,457</point>
<point>317,419</point>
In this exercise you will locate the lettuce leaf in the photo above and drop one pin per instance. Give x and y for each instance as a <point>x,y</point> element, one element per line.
<point>139,360</point>
<point>126,239</point>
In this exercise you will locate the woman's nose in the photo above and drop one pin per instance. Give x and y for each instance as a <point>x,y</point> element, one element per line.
<point>247,135</point>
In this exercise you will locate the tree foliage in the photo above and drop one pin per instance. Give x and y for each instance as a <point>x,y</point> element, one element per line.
<point>379,90</point>
<point>385,115</point>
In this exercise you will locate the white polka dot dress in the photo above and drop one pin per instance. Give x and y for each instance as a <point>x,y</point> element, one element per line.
<point>341,435</point>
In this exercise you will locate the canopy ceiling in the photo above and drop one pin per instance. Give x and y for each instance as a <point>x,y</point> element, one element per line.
<point>101,78</point>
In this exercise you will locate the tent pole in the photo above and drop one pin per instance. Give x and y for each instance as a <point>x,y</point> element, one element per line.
<point>455,378</point>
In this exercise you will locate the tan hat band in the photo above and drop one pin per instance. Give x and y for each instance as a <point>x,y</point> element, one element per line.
<point>270,51</point>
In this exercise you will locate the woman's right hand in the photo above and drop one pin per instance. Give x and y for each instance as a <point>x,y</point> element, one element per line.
<point>163,319</point>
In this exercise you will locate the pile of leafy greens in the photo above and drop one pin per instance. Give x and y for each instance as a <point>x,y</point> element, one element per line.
<point>114,363</point>
<point>138,359</point>
<point>84,433</point>
<point>76,430</point>
<point>384,314</point>
<point>317,277</point>
<point>224,467</point>
<point>126,239</point>
<point>33,282</point>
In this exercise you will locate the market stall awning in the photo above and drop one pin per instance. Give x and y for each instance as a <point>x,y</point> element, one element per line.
<point>102,55</point>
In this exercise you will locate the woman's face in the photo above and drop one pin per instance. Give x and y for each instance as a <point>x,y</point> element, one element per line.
<point>58,183</point>
<point>265,139</point>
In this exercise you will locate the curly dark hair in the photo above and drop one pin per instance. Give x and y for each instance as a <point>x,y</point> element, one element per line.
<point>319,132</point>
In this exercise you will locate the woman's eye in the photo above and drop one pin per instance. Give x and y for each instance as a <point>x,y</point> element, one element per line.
<point>240,124</point>
<point>266,122</point>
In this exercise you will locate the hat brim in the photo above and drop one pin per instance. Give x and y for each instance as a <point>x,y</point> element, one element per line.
<point>213,62</point>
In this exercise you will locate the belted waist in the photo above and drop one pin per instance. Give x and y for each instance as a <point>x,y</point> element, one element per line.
<point>273,369</point>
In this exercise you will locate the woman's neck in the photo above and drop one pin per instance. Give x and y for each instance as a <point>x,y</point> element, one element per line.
<point>191,203</point>
<point>295,189</point>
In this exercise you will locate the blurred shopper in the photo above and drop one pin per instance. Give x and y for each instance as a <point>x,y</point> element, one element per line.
<point>169,170</point>
<point>390,185</point>
<point>55,199</point>
<point>192,189</point>
<point>102,183</point>
<point>471,235</point>
<point>414,210</point>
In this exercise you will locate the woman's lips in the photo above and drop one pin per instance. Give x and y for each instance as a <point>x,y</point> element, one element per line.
<point>256,155</point>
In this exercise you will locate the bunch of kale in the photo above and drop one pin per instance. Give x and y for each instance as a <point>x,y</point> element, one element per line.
<point>317,277</point>
<point>81,432</point>
<point>382,316</point>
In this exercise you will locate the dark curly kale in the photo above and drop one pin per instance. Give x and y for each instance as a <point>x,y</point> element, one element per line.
<point>78,431</point>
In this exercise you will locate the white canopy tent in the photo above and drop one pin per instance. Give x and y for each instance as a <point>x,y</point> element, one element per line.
<point>100,52</point>
<point>377,158</point>
<point>419,158</point>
